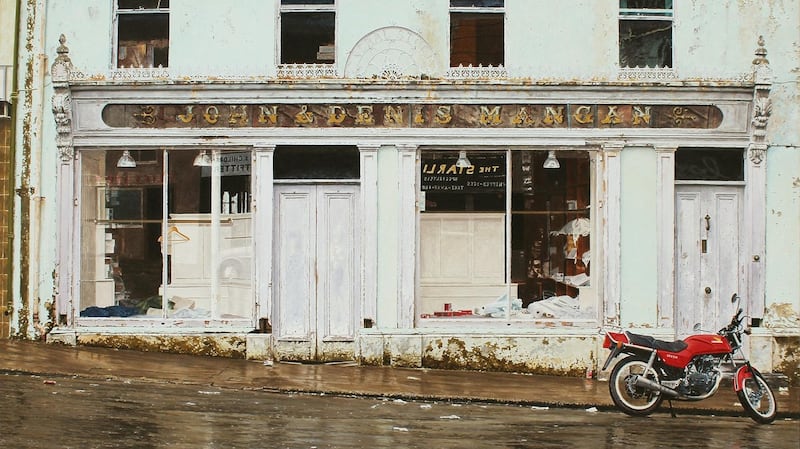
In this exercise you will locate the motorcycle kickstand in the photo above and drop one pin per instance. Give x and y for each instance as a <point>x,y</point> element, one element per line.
<point>671,410</point>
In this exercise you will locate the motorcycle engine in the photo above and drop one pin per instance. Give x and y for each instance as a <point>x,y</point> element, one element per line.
<point>701,375</point>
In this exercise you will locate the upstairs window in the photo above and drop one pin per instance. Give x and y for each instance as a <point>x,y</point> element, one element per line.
<point>142,33</point>
<point>308,30</point>
<point>645,33</point>
<point>477,32</point>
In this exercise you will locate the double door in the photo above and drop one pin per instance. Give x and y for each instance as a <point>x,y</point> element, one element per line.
<point>316,272</point>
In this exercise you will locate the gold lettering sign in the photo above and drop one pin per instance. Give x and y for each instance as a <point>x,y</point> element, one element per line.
<point>412,115</point>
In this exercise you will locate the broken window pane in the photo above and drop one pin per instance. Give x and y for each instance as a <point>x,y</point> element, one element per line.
<point>645,33</point>
<point>476,39</point>
<point>142,33</point>
<point>307,38</point>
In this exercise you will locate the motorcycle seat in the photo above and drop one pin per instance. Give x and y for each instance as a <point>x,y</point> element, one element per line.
<point>661,345</point>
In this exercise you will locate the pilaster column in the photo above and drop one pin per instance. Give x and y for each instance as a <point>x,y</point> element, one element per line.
<point>610,211</point>
<point>262,207</point>
<point>369,231</point>
<point>67,215</point>
<point>665,230</point>
<point>407,245</point>
<point>755,195</point>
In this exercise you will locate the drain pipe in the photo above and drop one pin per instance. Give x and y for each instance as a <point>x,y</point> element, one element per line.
<point>11,180</point>
<point>27,315</point>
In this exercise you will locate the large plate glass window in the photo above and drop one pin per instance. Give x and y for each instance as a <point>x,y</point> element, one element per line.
<point>645,33</point>
<point>166,234</point>
<point>503,237</point>
<point>308,32</point>
<point>142,33</point>
<point>477,33</point>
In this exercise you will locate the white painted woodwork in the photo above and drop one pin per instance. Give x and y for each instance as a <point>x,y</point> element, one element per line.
<point>317,268</point>
<point>459,261</point>
<point>718,268</point>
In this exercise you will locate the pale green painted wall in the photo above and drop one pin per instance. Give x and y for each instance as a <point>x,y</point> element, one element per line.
<point>783,226</point>
<point>639,266</point>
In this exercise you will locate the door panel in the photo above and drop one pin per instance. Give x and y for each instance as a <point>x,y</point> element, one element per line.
<point>295,231</point>
<point>707,267</point>
<point>316,272</point>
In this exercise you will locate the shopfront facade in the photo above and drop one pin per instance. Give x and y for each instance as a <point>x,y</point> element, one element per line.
<point>357,231</point>
<point>394,214</point>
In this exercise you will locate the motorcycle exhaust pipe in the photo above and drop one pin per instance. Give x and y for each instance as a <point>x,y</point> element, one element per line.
<point>649,384</point>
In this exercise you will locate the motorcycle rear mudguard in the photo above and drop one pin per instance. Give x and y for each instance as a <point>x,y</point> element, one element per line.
<point>743,373</point>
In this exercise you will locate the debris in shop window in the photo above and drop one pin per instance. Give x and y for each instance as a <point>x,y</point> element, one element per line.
<point>497,309</point>
<point>557,307</point>
<point>592,409</point>
<point>450,417</point>
<point>400,429</point>
<point>536,407</point>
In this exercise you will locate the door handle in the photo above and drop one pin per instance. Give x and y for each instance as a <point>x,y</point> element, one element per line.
<point>708,222</point>
<point>708,290</point>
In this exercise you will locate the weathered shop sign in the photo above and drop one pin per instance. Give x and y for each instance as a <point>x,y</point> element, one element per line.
<point>411,116</point>
<point>487,174</point>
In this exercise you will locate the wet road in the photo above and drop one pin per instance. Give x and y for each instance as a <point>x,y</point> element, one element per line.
<point>67,412</point>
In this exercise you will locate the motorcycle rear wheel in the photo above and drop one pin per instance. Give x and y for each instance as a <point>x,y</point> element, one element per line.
<point>633,400</point>
<point>757,399</point>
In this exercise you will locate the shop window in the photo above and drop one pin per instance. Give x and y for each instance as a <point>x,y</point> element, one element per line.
<point>709,164</point>
<point>494,247</point>
<point>308,30</point>
<point>476,32</point>
<point>142,33</point>
<point>164,238</point>
<point>645,33</point>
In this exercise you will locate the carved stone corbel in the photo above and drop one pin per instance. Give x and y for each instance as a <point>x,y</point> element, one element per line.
<point>62,101</point>
<point>762,105</point>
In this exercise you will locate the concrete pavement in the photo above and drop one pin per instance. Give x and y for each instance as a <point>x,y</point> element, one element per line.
<point>346,379</point>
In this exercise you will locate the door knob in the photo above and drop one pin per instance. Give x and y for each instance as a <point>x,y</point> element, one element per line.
<point>708,290</point>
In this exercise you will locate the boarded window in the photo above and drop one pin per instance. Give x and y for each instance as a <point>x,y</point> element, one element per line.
<point>308,32</point>
<point>142,33</point>
<point>477,33</point>
<point>645,33</point>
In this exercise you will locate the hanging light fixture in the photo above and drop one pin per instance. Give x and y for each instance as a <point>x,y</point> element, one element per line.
<point>551,161</point>
<point>462,161</point>
<point>126,160</point>
<point>202,160</point>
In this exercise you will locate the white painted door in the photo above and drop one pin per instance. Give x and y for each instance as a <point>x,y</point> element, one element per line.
<point>316,279</point>
<point>708,267</point>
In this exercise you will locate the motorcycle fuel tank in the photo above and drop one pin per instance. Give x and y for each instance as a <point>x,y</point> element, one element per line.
<point>696,345</point>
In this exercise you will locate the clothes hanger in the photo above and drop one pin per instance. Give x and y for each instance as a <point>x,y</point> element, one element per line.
<point>174,230</point>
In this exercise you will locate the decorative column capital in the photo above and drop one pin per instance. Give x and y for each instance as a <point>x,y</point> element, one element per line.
<point>62,101</point>
<point>762,105</point>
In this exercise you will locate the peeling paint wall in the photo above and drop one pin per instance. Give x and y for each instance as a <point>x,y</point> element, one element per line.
<point>232,346</point>
<point>563,355</point>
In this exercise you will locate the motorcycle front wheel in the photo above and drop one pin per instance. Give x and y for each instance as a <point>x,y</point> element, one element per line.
<point>631,399</point>
<point>757,398</point>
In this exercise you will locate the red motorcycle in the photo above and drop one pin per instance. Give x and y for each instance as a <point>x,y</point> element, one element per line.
<point>685,370</point>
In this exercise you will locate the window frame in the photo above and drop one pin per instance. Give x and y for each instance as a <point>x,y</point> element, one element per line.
<point>309,7</point>
<point>647,14</point>
<point>475,10</point>
<point>117,11</point>
<point>456,319</point>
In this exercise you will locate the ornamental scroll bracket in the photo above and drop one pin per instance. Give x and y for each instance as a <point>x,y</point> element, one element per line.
<point>762,105</point>
<point>62,101</point>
